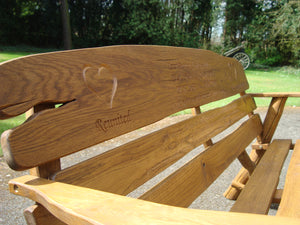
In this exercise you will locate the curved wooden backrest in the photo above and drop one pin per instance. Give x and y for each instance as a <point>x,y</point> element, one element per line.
<point>108,91</point>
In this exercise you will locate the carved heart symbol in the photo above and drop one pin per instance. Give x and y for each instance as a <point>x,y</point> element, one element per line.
<point>92,79</point>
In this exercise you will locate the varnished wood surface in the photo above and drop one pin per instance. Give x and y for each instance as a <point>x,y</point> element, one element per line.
<point>241,178</point>
<point>39,215</point>
<point>147,156</point>
<point>277,196</point>
<point>276,94</point>
<point>186,184</point>
<point>290,201</point>
<point>95,84</point>
<point>270,123</point>
<point>76,205</point>
<point>273,116</point>
<point>247,163</point>
<point>257,195</point>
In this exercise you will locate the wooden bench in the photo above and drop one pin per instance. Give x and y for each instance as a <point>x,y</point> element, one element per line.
<point>84,97</point>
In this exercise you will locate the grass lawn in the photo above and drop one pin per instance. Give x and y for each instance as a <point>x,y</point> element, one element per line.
<point>261,81</point>
<point>11,52</point>
<point>270,80</point>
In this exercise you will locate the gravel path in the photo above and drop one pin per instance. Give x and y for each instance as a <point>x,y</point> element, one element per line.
<point>11,206</point>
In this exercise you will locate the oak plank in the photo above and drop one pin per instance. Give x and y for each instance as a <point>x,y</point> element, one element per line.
<point>147,156</point>
<point>247,163</point>
<point>78,205</point>
<point>273,116</point>
<point>277,196</point>
<point>256,196</point>
<point>94,84</point>
<point>276,94</point>
<point>242,177</point>
<point>197,111</point>
<point>49,168</point>
<point>290,201</point>
<point>186,184</point>
<point>39,215</point>
<point>270,123</point>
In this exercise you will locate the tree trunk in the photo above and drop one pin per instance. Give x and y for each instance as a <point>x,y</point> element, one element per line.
<point>67,39</point>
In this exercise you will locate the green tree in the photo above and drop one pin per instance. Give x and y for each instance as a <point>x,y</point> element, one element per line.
<point>30,22</point>
<point>238,14</point>
<point>88,21</point>
<point>200,20</point>
<point>286,32</point>
<point>67,36</point>
<point>190,22</point>
<point>273,35</point>
<point>138,22</point>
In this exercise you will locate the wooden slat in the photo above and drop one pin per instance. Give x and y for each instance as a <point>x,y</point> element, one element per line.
<point>290,202</point>
<point>246,162</point>
<point>197,111</point>
<point>186,184</point>
<point>49,168</point>
<point>238,185</point>
<point>271,121</point>
<point>257,195</point>
<point>46,170</point>
<point>277,196</point>
<point>149,155</point>
<point>38,215</point>
<point>273,116</point>
<point>94,83</point>
<point>276,94</point>
<point>78,205</point>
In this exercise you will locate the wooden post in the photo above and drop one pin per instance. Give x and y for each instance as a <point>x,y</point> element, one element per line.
<point>271,121</point>
<point>37,214</point>
<point>197,111</point>
<point>246,162</point>
<point>272,118</point>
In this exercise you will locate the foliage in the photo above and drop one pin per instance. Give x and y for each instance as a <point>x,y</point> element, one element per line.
<point>268,28</point>
<point>137,22</point>
<point>273,35</point>
<point>286,32</point>
<point>30,22</point>
<point>238,14</point>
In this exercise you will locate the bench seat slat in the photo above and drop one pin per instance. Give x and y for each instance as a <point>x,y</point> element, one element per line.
<point>290,201</point>
<point>186,184</point>
<point>257,195</point>
<point>153,153</point>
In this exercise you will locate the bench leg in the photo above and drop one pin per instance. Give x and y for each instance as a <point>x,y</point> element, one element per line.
<point>38,215</point>
<point>271,121</point>
<point>242,177</point>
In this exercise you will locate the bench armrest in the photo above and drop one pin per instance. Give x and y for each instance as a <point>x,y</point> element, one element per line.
<point>86,206</point>
<point>276,94</point>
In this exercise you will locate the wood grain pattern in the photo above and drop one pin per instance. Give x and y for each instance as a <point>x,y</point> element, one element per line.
<point>77,205</point>
<point>197,111</point>
<point>277,196</point>
<point>276,94</point>
<point>147,156</point>
<point>247,163</point>
<point>39,215</point>
<point>94,83</point>
<point>47,169</point>
<point>186,184</point>
<point>273,116</point>
<point>257,195</point>
<point>290,201</point>
<point>270,123</point>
